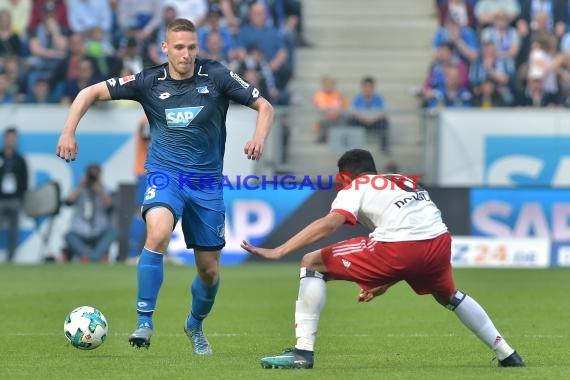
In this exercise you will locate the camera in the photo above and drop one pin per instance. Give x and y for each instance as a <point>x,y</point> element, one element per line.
<point>92,175</point>
<point>91,179</point>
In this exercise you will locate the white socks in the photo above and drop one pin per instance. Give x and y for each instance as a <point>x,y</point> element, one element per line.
<point>476,319</point>
<point>310,303</point>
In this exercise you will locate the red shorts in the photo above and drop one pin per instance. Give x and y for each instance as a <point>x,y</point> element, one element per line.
<point>424,264</point>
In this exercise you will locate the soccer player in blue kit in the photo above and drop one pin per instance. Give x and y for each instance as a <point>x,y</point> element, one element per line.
<point>186,101</point>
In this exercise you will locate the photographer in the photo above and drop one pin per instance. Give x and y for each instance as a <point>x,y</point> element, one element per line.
<point>13,185</point>
<point>91,233</point>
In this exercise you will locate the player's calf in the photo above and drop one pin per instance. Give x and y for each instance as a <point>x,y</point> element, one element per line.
<point>476,319</point>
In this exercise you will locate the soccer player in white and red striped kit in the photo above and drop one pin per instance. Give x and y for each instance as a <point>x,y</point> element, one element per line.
<point>409,242</point>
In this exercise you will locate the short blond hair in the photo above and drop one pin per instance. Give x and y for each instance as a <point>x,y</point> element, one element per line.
<point>181,25</point>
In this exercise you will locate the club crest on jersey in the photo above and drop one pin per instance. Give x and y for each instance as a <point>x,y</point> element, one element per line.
<point>202,90</point>
<point>181,117</point>
<point>238,79</point>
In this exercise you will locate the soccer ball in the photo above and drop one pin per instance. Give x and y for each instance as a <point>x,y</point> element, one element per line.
<point>85,328</point>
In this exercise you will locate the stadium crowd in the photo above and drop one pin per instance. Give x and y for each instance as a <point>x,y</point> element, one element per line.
<point>51,49</point>
<point>500,53</point>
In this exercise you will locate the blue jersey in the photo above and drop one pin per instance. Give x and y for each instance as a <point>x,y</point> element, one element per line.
<point>187,117</point>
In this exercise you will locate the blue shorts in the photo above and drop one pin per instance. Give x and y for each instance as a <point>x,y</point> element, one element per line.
<point>201,210</point>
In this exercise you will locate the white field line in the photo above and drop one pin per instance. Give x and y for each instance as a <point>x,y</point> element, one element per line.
<point>238,335</point>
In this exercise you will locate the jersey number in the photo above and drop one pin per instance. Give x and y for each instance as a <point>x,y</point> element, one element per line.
<point>405,183</point>
<point>150,193</point>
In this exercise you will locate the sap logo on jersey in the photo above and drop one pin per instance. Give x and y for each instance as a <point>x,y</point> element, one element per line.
<point>181,117</point>
<point>527,160</point>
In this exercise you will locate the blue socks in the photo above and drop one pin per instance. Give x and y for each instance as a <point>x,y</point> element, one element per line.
<point>150,276</point>
<point>202,301</point>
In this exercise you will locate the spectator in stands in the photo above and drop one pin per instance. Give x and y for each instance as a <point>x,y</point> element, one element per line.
<point>86,15</point>
<point>40,93</point>
<point>86,76</point>
<point>213,49</point>
<point>130,56</point>
<point>5,96</point>
<point>562,65</point>
<point>487,96</point>
<point>490,66</point>
<point>68,68</point>
<point>505,38</point>
<point>155,54</point>
<point>461,9</point>
<point>369,111</point>
<point>330,104</point>
<point>539,17</point>
<point>435,81</point>
<point>257,34</point>
<point>10,43</point>
<point>15,76</point>
<point>486,11</point>
<point>20,11</point>
<point>254,77</point>
<point>534,94</point>
<point>194,10</point>
<point>91,233</point>
<point>228,8</point>
<point>453,94</point>
<point>102,52</point>
<point>463,38</point>
<point>286,16</point>
<point>542,57</point>
<point>255,61</point>
<point>236,13</point>
<point>48,45</point>
<point>13,185</point>
<point>136,14</point>
<point>212,25</point>
<point>59,8</point>
<point>555,12</point>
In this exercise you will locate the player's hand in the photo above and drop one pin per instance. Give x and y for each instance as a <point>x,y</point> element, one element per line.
<point>368,295</point>
<point>67,147</point>
<point>266,253</point>
<point>253,149</point>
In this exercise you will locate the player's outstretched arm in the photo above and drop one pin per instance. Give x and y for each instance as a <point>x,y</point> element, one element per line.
<point>67,145</point>
<point>319,229</point>
<point>253,149</point>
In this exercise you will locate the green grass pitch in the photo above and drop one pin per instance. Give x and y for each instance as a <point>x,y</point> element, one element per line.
<point>396,336</point>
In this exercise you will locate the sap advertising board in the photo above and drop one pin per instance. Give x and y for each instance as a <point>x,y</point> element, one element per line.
<point>523,213</point>
<point>525,157</point>
<point>504,148</point>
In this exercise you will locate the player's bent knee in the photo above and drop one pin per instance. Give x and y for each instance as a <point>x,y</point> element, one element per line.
<point>307,260</point>
<point>456,300</point>
<point>209,275</point>
<point>307,272</point>
<point>157,242</point>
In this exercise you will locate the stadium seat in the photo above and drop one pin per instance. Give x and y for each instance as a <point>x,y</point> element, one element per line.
<point>43,202</point>
<point>343,138</point>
